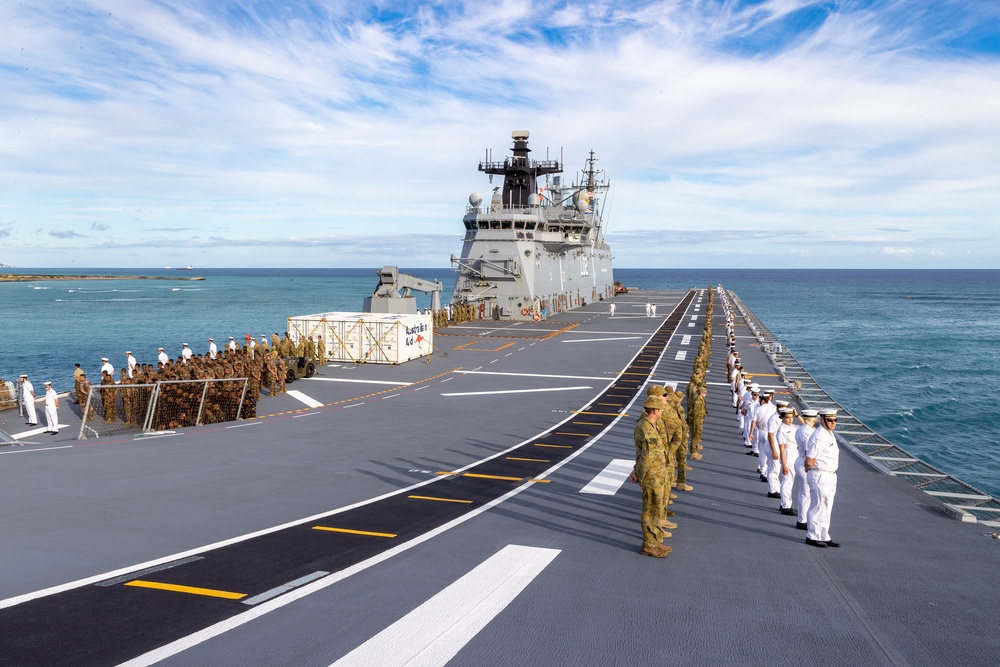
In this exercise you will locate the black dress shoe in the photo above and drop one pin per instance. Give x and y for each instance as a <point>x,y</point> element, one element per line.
<point>772,494</point>
<point>801,526</point>
<point>788,511</point>
<point>31,423</point>
<point>815,543</point>
<point>763,478</point>
<point>831,543</point>
<point>751,454</point>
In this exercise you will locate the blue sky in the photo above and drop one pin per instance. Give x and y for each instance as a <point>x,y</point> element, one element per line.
<point>775,133</point>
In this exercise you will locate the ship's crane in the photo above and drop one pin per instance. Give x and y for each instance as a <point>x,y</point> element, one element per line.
<point>393,293</point>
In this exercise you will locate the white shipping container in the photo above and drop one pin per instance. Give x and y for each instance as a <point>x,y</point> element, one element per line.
<point>374,338</point>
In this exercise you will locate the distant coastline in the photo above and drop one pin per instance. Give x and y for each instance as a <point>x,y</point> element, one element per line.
<point>31,277</point>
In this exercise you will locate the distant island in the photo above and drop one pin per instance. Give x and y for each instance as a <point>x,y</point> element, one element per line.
<point>31,277</point>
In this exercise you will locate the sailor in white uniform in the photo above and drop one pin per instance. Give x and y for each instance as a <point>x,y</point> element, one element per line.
<point>51,409</point>
<point>761,419</point>
<point>162,356</point>
<point>186,353</point>
<point>106,366</point>
<point>802,435</point>
<point>232,344</point>
<point>788,451</point>
<point>822,461</point>
<point>28,400</point>
<point>611,308</point>
<point>750,402</point>
<point>130,363</point>
<point>213,350</point>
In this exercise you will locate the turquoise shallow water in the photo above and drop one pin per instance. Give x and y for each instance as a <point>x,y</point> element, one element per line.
<point>912,353</point>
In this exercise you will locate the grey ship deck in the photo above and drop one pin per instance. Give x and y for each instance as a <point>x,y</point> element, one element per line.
<point>909,585</point>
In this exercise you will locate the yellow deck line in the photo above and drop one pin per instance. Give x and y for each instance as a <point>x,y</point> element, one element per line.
<point>353,532</point>
<point>193,590</point>
<point>519,458</point>
<point>554,446</point>
<point>540,481</point>
<point>580,435</point>
<point>444,500</point>
<point>481,476</point>
<point>607,414</point>
<point>587,423</point>
<point>608,404</point>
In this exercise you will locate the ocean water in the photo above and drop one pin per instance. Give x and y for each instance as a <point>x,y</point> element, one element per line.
<point>911,353</point>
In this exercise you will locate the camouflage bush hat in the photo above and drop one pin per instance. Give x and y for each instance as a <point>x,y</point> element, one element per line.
<point>656,390</point>
<point>653,402</point>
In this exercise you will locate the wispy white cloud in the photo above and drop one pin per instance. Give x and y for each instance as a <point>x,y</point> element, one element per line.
<point>728,128</point>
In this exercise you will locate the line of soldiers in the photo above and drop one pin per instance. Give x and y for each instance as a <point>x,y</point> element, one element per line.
<point>664,435</point>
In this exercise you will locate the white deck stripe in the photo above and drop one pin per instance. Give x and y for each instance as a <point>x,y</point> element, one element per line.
<point>609,480</point>
<point>43,449</point>
<point>394,384</point>
<point>513,391</point>
<point>34,431</point>
<point>686,340</point>
<point>681,355</point>
<point>594,340</point>
<point>299,396</point>
<point>537,375</point>
<point>433,633</point>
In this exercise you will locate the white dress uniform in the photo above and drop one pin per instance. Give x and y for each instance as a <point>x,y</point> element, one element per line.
<point>51,414</point>
<point>28,400</point>
<point>750,405</point>
<point>130,363</point>
<point>822,482</point>
<point>106,366</point>
<point>162,357</point>
<point>186,353</point>
<point>612,308</point>
<point>802,435</point>
<point>762,417</point>
<point>785,437</point>
<point>213,350</point>
<point>773,470</point>
<point>232,344</point>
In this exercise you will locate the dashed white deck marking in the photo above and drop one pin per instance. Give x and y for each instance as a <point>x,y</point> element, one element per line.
<point>433,633</point>
<point>394,384</point>
<point>308,400</point>
<point>690,324</point>
<point>512,391</point>
<point>686,340</point>
<point>609,480</point>
<point>681,355</point>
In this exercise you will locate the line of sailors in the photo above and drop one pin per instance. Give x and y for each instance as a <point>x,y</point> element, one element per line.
<point>787,453</point>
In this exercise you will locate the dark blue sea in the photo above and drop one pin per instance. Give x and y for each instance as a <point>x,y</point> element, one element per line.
<point>912,353</point>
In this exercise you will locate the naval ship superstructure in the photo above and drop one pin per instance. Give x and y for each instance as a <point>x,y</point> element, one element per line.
<point>534,250</point>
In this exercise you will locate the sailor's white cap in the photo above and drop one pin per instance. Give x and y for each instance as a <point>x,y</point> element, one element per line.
<point>828,412</point>
<point>211,340</point>
<point>755,388</point>
<point>128,351</point>
<point>160,349</point>
<point>809,413</point>
<point>769,392</point>
<point>24,375</point>
<point>781,404</point>
<point>104,358</point>
<point>47,383</point>
<point>230,338</point>
<point>786,411</point>
<point>184,344</point>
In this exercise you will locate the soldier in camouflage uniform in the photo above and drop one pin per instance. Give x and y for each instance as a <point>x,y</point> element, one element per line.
<point>108,397</point>
<point>670,433</point>
<point>81,397</point>
<point>650,473</point>
<point>320,350</point>
<point>674,401</point>
<point>696,420</point>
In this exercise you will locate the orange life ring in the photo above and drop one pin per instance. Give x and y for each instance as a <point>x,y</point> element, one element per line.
<point>537,317</point>
<point>525,311</point>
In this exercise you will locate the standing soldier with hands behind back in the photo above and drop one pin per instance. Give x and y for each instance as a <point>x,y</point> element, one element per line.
<point>650,473</point>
